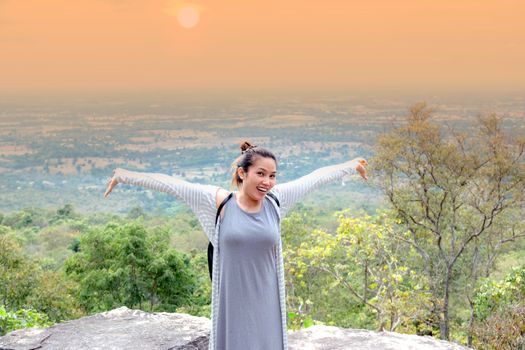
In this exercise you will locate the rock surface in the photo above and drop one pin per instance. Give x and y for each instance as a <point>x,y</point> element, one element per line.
<point>123,328</point>
<point>334,338</point>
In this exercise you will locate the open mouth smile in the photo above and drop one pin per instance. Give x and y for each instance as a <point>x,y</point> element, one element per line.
<point>262,189</point>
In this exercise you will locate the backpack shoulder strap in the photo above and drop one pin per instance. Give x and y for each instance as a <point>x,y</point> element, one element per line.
<point>210,246</point>
<point>221,206</point>
<point>271,195</point>
<point>274,197</point>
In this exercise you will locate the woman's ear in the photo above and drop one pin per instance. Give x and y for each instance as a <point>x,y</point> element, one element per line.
<point>240,173</point>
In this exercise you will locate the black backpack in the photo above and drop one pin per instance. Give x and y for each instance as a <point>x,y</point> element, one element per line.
<point>210,246</point>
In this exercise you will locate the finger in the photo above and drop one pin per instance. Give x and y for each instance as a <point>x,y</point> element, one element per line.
<point>108,191</point>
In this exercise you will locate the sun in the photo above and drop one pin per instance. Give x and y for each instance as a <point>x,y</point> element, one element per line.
<point>188,17</point>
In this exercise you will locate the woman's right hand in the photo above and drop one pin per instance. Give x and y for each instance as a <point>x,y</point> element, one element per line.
<point>111,184</point>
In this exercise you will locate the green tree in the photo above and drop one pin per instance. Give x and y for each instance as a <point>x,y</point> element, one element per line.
<point>364,259</point>
<point>24,285</point>
<point>28,217</point>
<point>455,194</point>
<point>200,302</point>
<point>18,275</point>
<point>136,212</point>
<point>296,228</point>
<point>126,265</point>
<point>67,211</point>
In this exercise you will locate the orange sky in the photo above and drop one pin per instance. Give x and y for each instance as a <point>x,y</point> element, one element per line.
<point>66,45</point>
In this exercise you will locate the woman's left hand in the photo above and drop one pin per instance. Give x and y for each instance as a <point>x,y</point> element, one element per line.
<point>111,184</point>
<point>360,167</point>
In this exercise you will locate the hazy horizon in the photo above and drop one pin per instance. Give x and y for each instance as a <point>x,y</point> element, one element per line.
<point>107,46</point>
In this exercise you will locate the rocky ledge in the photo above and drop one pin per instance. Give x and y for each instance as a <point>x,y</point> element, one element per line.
<point>123,328</point>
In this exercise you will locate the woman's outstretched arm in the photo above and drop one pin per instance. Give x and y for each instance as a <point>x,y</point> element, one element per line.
<point>200,198</point>
<point>291,192</point>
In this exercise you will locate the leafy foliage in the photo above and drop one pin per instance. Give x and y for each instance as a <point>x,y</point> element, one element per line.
<point>200,302</point>
<point>126,265</point>
<point>500,312</point>
<point>28,294</point>
<point>459,196</point>
<point>23,318</point>
<point>360,276</point>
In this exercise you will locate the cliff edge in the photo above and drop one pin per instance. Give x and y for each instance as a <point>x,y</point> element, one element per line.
<point>123,328</point>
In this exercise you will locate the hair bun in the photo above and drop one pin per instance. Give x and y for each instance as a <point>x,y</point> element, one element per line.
<point>245,146</point>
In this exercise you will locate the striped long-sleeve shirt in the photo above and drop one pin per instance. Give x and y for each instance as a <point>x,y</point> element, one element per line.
<point>202,200</point>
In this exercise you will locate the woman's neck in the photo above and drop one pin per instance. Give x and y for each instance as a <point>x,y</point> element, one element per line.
<point>248,204</point>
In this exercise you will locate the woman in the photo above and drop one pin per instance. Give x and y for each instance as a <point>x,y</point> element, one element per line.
<point>248,296</point>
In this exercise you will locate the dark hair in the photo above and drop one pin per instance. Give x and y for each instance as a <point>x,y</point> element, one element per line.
<point>249,154</point>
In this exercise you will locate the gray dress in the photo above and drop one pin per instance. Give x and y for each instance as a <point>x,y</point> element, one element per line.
<point>249,309</point>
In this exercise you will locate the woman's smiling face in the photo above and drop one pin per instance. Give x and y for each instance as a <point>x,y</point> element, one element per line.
<point>260,179</point>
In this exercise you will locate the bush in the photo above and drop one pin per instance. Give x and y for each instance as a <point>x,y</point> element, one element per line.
<point>23,318</point>
<point>504,330</point>
<point>25,285</point>
<point>499,309</point>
